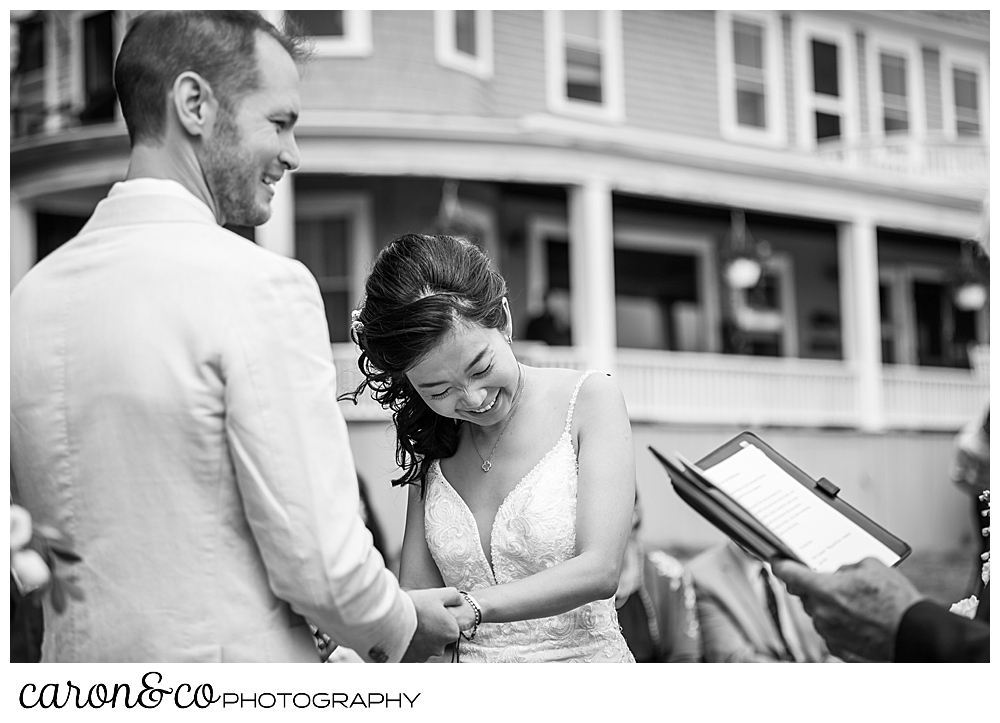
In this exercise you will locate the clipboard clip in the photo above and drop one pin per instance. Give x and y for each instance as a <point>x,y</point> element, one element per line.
<point>827,487</point>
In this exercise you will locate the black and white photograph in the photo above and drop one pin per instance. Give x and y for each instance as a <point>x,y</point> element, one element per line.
<point>494,336</point>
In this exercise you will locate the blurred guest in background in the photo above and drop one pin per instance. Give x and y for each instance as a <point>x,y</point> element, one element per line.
<point>971,472</point>
<point>656,604</point>
<point>552,326</point>
<point>747,616</point>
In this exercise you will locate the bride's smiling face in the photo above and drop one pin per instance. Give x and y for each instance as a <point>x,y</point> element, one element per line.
<point>470,375</point>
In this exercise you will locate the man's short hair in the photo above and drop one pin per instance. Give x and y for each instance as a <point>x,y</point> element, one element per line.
<point>219,45</point>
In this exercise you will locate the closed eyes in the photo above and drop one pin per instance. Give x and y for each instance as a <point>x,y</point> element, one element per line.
<point>477,375</point>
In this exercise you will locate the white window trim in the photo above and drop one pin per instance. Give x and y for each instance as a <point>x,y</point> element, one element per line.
<point>357,40</point>
<point>901,319</point>
<point>806,27</point>
<point>314,205</point>
<point>775,133</point>
<point>77,82</point>
<point>703,247</point>
<point>612,107</point>
<point>539,229</point>
<point>900,279</point>
<point>950,58</point>
<point>448,55</point>
<point>909,48</point>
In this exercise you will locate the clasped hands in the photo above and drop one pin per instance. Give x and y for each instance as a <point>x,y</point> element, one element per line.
<point>442,615</point>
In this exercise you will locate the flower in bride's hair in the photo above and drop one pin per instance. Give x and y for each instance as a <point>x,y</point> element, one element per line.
<point>357,326</point>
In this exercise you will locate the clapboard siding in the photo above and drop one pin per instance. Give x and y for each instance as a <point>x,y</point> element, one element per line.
<point>670,71</point>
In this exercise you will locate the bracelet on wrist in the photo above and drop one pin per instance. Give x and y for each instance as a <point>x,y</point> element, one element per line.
<point>475,609</point>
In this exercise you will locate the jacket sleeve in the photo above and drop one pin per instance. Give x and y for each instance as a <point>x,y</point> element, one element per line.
<point>295,471</point>
<point>928,633</point>
<point>723,639</point>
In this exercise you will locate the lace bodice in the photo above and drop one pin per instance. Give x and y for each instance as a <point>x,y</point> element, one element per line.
<point>534,529</point>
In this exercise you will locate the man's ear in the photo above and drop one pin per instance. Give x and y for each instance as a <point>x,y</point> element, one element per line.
<point>194,103</point>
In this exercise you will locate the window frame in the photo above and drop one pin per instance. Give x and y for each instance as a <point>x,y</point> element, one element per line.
<point>909,48</point>
<point>78,81</point>
<point>900,279</point>
<point>357,208</point>
<point>949,59</point>
<point>805,28</point>
<point>357,40</point>
<point>447,53</point>
<point>700,245</point>
<point>612,106</point>
<point>775,132</point>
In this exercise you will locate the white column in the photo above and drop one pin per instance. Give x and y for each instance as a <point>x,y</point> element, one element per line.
<point>23,241</point>
<point>278,234</point>
<point>592,273</point>
<point>862,327</point>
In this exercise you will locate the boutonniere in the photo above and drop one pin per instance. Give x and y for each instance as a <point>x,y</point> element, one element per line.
<point>38,554</point>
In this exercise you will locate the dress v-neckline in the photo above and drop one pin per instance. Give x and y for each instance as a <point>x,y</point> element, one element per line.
<point>488,556</point>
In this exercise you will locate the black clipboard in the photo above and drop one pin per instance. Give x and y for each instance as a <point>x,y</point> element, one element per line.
<point>738,524</point>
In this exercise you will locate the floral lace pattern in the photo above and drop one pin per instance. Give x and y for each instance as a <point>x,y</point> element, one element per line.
<point>534,529</point>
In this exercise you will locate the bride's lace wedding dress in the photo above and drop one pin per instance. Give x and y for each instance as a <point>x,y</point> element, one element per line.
<point>535,528</point>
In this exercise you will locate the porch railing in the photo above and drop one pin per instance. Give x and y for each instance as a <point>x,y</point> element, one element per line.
<point>936,157</point>
<point>680,387</point>
<point>926,398</point>
<point>712,388</point>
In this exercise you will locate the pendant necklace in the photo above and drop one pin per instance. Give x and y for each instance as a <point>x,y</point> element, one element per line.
<point>487,461</point>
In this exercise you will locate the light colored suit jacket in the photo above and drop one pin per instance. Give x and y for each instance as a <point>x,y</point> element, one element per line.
<point>736,626</point>
<point>173,409</point>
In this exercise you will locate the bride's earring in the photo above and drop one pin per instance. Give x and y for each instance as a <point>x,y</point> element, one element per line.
<point>509,340</point>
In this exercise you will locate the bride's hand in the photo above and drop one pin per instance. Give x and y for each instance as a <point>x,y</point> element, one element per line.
<point>465,616</point>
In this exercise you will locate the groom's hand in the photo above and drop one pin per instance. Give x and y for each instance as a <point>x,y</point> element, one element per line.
<point>436,626</point>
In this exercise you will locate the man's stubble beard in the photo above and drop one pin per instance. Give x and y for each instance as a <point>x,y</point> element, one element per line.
<point>232,176</point>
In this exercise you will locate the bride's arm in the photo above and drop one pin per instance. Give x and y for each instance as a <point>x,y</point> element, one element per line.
<point>417,570</point>
<point>605,497</point>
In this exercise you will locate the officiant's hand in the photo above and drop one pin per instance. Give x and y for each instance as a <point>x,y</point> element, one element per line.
<point>856,609</point>
<point>436,626</point>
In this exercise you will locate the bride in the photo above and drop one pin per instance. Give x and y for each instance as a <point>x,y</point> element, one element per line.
<point>522,479</point>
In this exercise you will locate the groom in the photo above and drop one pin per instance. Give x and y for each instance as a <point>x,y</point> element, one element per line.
<point>173,393</point>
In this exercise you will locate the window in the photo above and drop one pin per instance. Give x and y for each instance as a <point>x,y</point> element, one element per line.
<point>333,238</point>
<point>30,90</point>
<point>964,94</point>
<point>826,99</point>
<point>895,86</point>
<point>751,79</point>
<point>921,324</point>
<point>584,62</point>
<point>464,40</point>
<point>335,32</point>
<point>666,293</point>
<point>895,110</point>
<point>98,68</point>
<point>31,44</point>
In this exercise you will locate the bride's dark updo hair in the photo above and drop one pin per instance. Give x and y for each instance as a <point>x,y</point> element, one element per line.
<point>419,287</point>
